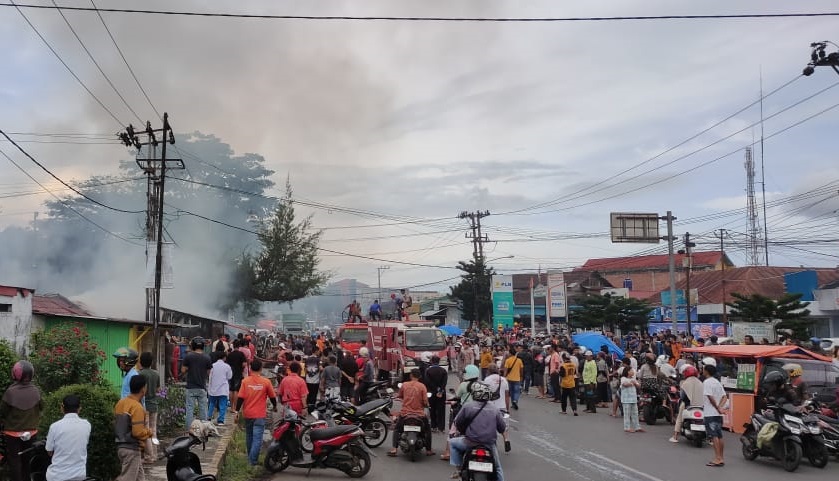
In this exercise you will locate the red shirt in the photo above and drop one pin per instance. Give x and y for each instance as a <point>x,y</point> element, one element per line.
<point>293,391</point>
<point>254,392</point>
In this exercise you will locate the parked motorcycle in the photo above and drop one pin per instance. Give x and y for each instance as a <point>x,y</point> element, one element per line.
<point>39,460</point>
<point>182,464</point>
<point>367,416</point>
<point>813,442</point>
<point>693,426</point>
<point>785,445</point>
<point>376,390</point>
<point>651,406</point>
<point>337,447</point>
<point>478,465</point>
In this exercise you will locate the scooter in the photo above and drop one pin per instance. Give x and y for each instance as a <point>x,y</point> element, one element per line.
<point>813,441</point>
<point>693,425</point>
<point>367,416</point>
<point>182,464</point>
<point>337,447</point>
<point>651,406</point>
<point>785,446</point>
<point>412,440</point>
<point>478,465</point>
<point>674,399</point>
<point>376,390</point>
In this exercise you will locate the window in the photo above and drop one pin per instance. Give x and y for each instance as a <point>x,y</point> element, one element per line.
<point>5,308</point>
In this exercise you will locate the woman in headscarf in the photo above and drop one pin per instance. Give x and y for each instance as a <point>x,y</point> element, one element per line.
<point>20,413</point>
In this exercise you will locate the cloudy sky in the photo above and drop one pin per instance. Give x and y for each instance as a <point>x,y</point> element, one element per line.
<point>418,121</point>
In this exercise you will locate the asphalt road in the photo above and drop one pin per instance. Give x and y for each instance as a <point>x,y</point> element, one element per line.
<point>591,447</point>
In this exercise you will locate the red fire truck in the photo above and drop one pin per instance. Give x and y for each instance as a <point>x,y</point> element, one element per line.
<point>351,335</point>
<point>398,345</point>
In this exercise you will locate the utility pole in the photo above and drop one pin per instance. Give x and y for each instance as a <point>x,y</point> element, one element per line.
<point>688,264</point>
<point>155,170</point>
<point>722,261</point>
<point>478,240</point>
<point>671,261</point>
<point>380,269</point>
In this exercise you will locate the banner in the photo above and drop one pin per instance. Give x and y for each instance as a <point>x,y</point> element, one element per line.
<point>698,329</point>
<point>502,300</point>
<point>758,331</point>
<point>166,275</point>
<point>556,302</point>
<point>680,297</point>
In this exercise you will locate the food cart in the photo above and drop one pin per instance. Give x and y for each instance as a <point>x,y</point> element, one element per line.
<point>741,367</point>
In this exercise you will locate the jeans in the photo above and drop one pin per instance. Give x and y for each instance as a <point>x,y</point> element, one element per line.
<point>553,386</point>
<point>458,447</point>
<point>254,429</point>
<point>528,380</point>
<point>220,403</point>
<point>630,417</point>
<point>515,391</point>
<point>193,395</point>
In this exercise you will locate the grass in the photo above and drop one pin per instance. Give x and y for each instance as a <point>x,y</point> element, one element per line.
<point>235,466</point>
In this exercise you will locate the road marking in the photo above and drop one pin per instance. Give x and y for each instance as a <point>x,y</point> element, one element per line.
<point>623,466</point>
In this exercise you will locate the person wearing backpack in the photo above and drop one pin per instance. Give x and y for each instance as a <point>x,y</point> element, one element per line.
<point>479,422</point>
<point>500,389</point>
<point>514,372</point>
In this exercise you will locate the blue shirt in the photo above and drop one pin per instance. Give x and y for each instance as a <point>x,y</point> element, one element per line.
<point>375,307</point>
<point>67,439</point>
<point>126,384</point>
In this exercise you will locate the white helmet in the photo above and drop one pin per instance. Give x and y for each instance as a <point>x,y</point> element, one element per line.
<point>425,356</point>
<point>364,352</point>
<point>662,359</point>
<point>709,361</point>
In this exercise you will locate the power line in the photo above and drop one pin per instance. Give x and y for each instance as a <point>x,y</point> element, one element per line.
<point>65,183</point>
<point>131,70</point>
<point>65,204</point>
<point>49,46</point>
<point>92,59</point>
<point>440,19</point>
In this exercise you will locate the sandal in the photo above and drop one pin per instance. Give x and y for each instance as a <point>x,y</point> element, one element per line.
<point>391,454</point>
<point>445,457</point>
<point>430,453</point>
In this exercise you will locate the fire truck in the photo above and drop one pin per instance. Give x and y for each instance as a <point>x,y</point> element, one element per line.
<point>351,335</point>
<point>398,345</point>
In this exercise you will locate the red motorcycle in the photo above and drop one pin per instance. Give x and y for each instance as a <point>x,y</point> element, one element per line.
<point>339,447</point>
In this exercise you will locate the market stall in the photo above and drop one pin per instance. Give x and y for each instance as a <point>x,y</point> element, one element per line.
<point>741,367</point>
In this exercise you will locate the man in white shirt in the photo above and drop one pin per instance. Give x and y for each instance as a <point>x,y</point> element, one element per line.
<point>218,387</point>
<point>67,443</point>
<point>714,408</point>
<point>498,384</point>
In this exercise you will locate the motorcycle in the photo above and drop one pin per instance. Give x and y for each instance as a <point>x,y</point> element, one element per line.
<point>651,406</point>
<point>376,390</point>
<point>814,442</point>
<point>674,399</point>
<point>39,460</point>
<point>338,447</point>
<point>786,444</point>
<point>412,441</point>
<point>366,416</point>
<point>693,426</point>
<point>182,464</point>
<point>478,465</point>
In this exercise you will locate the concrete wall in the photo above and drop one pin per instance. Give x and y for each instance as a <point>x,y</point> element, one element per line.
<point>16,325</point>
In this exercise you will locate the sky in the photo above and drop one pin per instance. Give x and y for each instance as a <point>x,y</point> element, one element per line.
<point>411,123</point>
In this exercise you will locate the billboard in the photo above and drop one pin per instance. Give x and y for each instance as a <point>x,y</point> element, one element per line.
<point>502,300</point>
<point>698,329</point>
<point>634,227</point>
<point>556,302</point>
<point>680,297</point>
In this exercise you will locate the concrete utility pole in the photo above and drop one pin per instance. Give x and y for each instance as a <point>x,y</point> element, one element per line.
<point>671,261</point>
<point>380,269</point>
<point>722,262</point>
<point>155,170</point>
<point>478,240</point>
<point>688,264</point>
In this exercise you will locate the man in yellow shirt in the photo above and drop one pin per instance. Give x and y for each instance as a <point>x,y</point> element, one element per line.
<point>131,431</point>
<point>514,372</point>
<point>568,385</point>
<point>486,360</point>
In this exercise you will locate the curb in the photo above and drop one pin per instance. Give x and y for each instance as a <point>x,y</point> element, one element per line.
<point>215,463</point>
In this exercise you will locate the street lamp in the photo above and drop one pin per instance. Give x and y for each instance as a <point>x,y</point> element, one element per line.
<point>820,58</point>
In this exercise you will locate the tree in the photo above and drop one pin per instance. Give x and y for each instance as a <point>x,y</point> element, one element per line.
<point>474,288</point>
<point>791,313</point>
<point>286,269</point>
<point>602,311</point>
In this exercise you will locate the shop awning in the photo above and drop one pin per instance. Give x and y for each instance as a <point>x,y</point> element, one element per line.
<point>433,313</point>
<point>758,350</point>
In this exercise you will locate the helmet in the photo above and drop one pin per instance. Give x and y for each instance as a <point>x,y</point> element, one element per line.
<point>471,373</point>
<point>589,353</point>
<point>425,356</point>
<point>689,371</point>
<point>709,361</point>
<point>458,345</point>
<point>481,392</point>
<point>775,378</point>
<point>661,359</point>
<point>198,343</point>
<point>364,352</point>
<point>793,369</point>
<point>23,371</point>
<point>129,355</point>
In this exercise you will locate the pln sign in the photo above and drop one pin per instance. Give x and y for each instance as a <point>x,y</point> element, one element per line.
<point>502,300</point>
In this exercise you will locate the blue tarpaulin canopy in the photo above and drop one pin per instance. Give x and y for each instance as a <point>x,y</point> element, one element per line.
<point>593,341</point>
<point>451,330</point>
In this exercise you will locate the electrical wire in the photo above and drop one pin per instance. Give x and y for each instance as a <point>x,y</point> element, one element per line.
<point>68,206</point>
<point>441,19</point>
<point>24,152</point>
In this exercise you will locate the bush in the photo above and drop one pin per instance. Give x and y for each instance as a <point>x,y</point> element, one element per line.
<point>8,358</point>
<point>171,411</point>
<point>65,355</point>
<point>97,406</point>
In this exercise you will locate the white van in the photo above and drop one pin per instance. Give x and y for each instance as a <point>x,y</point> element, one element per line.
<point>828,343</point>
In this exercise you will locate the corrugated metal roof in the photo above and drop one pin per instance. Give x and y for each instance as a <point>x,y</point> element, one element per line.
<point>624,264</point>
<point>57,305</point>
<point>12,291</point>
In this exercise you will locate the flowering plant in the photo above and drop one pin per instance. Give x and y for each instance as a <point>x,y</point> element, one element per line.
<point>65,355</point>
<point>171,410</point>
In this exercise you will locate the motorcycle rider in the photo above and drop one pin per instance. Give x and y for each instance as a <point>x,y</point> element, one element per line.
<point>796,382</point>
<point>691,395</point>
<point>479,422</point>
<point>414,398</point>
<point>20,414</point>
